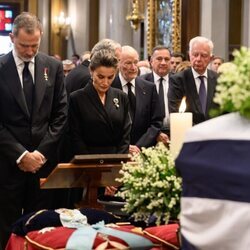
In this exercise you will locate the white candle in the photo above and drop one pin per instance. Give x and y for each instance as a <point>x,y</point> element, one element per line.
<point>179,124</point>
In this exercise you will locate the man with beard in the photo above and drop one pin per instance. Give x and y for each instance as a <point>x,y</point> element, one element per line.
<point>33,108</point>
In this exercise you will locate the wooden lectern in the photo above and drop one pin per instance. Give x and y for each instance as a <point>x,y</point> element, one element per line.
<point>89,171</point>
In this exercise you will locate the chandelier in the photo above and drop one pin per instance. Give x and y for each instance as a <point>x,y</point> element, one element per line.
<point>135,17</point>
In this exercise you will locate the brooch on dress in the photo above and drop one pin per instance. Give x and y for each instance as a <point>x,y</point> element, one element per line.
<point>116,102</point>
<point>45,74</point>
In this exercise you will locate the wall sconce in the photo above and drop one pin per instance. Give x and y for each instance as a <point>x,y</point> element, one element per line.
<point>135,17</point>
<point>62,24</point>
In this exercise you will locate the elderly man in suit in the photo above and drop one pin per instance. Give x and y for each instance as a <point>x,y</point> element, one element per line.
<point>160,63</point>
<point>33,108</point>
<point>144,101</point>
<point>196,83</point>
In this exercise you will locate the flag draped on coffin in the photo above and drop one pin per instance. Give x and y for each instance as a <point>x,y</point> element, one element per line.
<point>215,166</point>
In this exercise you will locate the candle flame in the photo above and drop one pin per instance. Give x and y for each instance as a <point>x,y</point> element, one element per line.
<point>183,105</point>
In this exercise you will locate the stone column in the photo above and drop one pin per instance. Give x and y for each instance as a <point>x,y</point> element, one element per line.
<point>214,24</point>
<point>78,11</point>
<point>245,24</point>
<point>44,15</point>
<point>113,23</point>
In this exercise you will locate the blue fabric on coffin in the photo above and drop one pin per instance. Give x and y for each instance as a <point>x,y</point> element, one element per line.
<point>83,238</point>
<point>37,220</point>
<point>214,164</point>
<point>50,218</point>
<point>96,215</point>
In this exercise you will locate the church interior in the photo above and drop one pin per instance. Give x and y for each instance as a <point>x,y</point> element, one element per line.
<point>189,189</point>
<point>72,27</point>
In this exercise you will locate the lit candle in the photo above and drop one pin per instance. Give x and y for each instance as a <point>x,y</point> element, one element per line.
<point>179,124</point>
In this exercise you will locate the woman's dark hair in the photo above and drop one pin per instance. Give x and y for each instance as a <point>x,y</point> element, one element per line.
<point>104,58</point>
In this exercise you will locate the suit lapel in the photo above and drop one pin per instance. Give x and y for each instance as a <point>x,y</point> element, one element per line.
<point>211,84</point>
<point>150,77</point>
<point>109,106</point>
<point>12,79</point>
<point>41,81</point>
<point>94,98</point>
<point>140,93</point>
<point>193,90</point>
<point>117,83</point>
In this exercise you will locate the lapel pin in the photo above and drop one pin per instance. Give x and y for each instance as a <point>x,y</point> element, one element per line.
<point>45,73</point>
<point>116,102</point>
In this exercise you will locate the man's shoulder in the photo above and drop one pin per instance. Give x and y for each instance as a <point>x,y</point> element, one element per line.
<point>148,77</point>
<point>145,86</point>
<point>116,82</point>
<point>116,91</point>
<point>4,58</point>
<point>212,74</point>
<point>144,82</point>
<point>79,93</point>
<point>187,73</point>
<point>48,59</point>
<point>80,71</point>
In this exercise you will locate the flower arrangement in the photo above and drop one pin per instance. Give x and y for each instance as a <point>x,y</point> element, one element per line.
<point>233,88</point>
<point>150,185</point>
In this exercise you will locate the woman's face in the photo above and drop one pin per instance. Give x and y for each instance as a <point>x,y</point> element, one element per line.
<point>103,78</point>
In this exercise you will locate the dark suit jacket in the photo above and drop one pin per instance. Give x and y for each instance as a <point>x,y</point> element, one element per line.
<point>77,77</point>
<point>97,128</point>
<point>148,119</point>
<point>183,84</point>
<point>148,77</point>
<point>41,130</point>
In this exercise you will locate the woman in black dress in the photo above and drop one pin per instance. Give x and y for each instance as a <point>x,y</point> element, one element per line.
<point>99,120</point>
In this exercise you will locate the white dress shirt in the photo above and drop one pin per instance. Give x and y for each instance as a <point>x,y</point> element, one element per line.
<point>198,81</point>
<point>124,84</point>
<point>165,83</point>
<point>20,66</point>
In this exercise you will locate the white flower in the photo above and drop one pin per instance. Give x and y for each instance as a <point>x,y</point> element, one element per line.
<point>151,186</point>
<point>233,88</point>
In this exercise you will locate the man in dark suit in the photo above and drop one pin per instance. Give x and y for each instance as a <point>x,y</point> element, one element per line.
<point>78,77</point>
<point>33,111</point>
<point>145,109</point>
<point>196,83</point>
<point>160,63</point>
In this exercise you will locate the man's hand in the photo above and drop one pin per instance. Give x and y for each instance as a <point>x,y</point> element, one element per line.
<point>110,190</point>
<point>31,162</point>
<point>162,138</point>
<point>133,149</point>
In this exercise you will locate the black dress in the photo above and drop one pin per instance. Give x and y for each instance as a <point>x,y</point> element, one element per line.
<point>96,128</point>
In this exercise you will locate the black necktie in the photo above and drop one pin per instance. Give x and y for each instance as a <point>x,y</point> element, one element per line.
<point>161,97</point>
<point>203,94</point>
<point>132,101</point>
<point>28,86</point>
